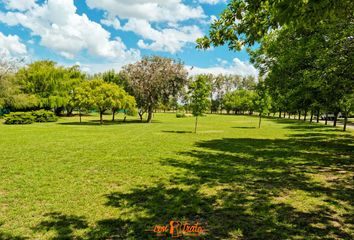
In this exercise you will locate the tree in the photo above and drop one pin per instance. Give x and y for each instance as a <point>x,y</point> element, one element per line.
<point>52,84</point>
<point>200,92</point>
<point>262,101</point>
<point>11,95</point>
<point>103,96</point>
<point>122,101</point>
<point>347,104</point>
<point>82,97</point>
<point>245,22</point>
<point>154,79</point>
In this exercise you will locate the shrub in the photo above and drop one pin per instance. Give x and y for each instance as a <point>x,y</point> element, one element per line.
<point>19,118</point>
<point>180,115</point>
<point>44,116</point>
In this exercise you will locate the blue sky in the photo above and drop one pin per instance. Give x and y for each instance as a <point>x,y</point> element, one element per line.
<point>104,34</point>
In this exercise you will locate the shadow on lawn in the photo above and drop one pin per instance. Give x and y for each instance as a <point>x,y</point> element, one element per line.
<point>105,122</point>
<point>166,131</point>
<point>240,188</point>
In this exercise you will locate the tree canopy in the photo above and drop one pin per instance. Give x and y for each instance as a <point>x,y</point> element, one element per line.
<point>154,79</point>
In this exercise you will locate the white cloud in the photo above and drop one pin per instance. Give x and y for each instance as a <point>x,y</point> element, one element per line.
<point>11,45</point>
<point>150,10</point>
<point>212,2</point>
<point>168,39</point>
<point>142,13</point>
<point>113,22</point>
<point>68,33</point>
<point>20,5</point>
<point>238,67</point>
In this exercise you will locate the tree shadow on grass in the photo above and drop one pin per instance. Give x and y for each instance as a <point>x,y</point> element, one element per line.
<point>106,122</point>
<point>166,131</point>
<point>9,236</point>
<point>242,188</point>
<point>300,125</point>
<point>63,225</point>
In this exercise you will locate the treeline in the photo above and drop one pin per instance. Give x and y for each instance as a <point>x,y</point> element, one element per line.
<point>154,83</point>
<point>305,53</point>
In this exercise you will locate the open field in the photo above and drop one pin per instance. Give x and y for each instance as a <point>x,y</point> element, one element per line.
<point>287,180</point>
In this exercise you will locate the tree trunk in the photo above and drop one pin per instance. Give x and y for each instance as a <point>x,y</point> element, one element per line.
<point>305,115</point>
<point>58,111</point>
<point>289,115</point>
<point>311,116</point>
<point>299,115</point>
<point>113,114</point>
<point>284,115</point>
<point>335,119</point>
<point>318,116</point>
<point>150,111</point>
<point>326,118</point>
<point>260,120</point>
<point>69,112</point>
<point>279,113</point>
<point>101,117</point>
<point>196,124</point>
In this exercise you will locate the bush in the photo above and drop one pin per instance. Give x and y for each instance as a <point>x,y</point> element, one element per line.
<point>19,118</point>
<point>183,115</point>
<point>30,117</point>
<point>44,116</point>
<point>180,115</point>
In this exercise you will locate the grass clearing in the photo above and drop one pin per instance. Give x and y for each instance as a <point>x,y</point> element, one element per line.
<point>65,180</point>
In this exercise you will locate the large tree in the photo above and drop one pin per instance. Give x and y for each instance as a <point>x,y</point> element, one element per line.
<point>244,22</point>
<point>51,83</point>
<point>154,79</point>
<point>102,96</point>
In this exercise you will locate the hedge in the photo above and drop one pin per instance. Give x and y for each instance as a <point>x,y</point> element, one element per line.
<point>30,117</point>
<point>44,116</point>
<point>19,118</point>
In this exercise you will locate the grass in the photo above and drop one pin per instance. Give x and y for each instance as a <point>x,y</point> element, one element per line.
<point>287,180</point>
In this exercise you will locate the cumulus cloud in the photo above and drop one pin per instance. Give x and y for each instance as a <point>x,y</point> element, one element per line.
<point>149,10</point>
<point>11,45</point>
<point>237,66</point>
<point>168,39</point>
<point>66,32</point>
<point>20,5</point>
<point>111,22</point>
<point>142,14</point>
<point>212,2</point>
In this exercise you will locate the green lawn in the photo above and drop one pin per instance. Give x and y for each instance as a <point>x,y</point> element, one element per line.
<point>287,180</point>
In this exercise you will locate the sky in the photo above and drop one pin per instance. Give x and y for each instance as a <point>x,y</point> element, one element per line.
<point>100,35</point>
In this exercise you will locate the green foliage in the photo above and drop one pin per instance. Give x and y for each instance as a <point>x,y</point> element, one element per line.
<point>262,100</point>
<point>19,118</point>
<point>52,84</point>
<point>306,49</point>
<point>30,117</point>
<point>180,114</point>
<point>245,22</point>
<point>44,116</point>
<point>200,93</point>
<point>239,100</point>
<point>103,96</point>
